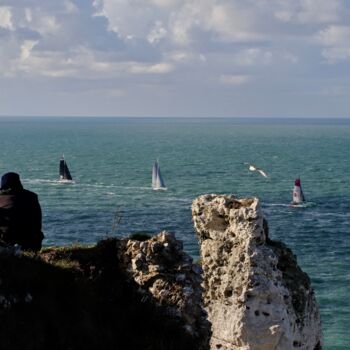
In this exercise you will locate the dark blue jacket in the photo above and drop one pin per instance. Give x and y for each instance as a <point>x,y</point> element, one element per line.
<point>20,219</point>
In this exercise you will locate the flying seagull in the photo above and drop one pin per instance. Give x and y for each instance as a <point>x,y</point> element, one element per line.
<point>254,168</point>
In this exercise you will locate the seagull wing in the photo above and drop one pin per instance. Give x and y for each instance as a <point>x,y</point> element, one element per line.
<point>262,172</point>
<point>254,168</point>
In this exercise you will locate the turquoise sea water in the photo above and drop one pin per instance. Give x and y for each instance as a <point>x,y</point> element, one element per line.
<point>111,160</point>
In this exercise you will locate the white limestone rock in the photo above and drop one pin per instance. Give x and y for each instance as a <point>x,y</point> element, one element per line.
<point>168,276</point>
<point>255,294</point>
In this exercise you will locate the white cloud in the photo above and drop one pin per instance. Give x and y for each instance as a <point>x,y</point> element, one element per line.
<point>47,25</point>
<point>28,15</point>
<point>320,11</point>
<point>235,79</point>
<point>182,22</point>
<point>166,3</point>
<point>233,22</point>
<point>336,39</point>
<point>76,63</point>
<point>70,7</point>
<point>253,56</point>
<point>157,33</point>
<point>185,57</point>
<point>222,21</point>
<point>26,49</point>
<point>6,18</point>
<point>334,35</point>
<point>179,46</point>
<point>228,20</point>
<point>159,68</point>
<point>309,11</point>
<point>336,54</point>
<point>37,20</point>
<point>34,64</point>
<point>127,18</point>
<point>180,56</point>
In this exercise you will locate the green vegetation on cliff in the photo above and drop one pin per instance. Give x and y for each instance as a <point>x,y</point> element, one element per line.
<point>78,298</point>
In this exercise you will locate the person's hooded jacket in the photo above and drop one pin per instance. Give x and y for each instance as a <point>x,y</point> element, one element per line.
<point>20,214</point>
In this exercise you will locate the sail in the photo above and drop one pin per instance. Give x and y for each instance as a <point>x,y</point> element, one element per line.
<point>298,195</point>
<point>157,179</point>
<point>160,180</point>
<point>64,171</point>
<point>154,174</point>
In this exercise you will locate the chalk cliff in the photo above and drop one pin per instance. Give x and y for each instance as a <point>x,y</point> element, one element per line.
<point>256,295</point>
<point>249,292</point>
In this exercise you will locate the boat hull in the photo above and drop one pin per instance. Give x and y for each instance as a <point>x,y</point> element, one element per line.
<point>159,188</point>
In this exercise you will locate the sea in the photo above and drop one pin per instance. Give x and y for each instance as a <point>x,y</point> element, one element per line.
<point>111,162</point>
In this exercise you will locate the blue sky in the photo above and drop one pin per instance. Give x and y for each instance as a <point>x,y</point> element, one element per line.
<point>225,58</point>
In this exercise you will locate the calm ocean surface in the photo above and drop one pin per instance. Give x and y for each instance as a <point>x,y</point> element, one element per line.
<point>111,160</point>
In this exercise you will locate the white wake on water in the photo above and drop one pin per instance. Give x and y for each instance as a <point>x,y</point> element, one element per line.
<point>302,205</point>
<point>45,181</point>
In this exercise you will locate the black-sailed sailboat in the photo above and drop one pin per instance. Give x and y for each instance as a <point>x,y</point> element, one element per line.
<point>65,175</point>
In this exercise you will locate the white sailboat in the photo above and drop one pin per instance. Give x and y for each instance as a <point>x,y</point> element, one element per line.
<point>298,195</point>
<point>64,172</point>
<point>157,179</point>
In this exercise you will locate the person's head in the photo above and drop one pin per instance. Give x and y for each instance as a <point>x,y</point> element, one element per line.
<point>11,181</point>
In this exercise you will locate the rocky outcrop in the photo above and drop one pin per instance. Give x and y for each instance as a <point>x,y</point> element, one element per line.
<point>167,275</point>
<point>255,294</point>
<point>82,298</point>
<point>148,294</point>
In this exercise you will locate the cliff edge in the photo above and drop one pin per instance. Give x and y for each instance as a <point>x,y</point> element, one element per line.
<point>256,295</point>
<point>81,298</point>
<point>147,293</point>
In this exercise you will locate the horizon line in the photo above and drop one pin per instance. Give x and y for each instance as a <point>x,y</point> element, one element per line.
<point>175,117</point>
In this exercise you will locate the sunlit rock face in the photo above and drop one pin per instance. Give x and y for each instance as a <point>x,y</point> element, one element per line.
<point>256,295</point>
<point>167,276</point>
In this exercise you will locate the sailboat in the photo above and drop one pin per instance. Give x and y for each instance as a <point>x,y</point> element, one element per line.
<point>157,179</point>
<point>65,175</point>
<point>298,195</point>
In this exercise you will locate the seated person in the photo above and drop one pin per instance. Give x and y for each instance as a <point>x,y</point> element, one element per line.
<point>20,214</point>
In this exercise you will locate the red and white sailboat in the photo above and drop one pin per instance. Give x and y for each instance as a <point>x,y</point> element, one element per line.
<point>298,195</point>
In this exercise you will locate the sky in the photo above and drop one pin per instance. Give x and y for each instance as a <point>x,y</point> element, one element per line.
<point>184,58</point>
